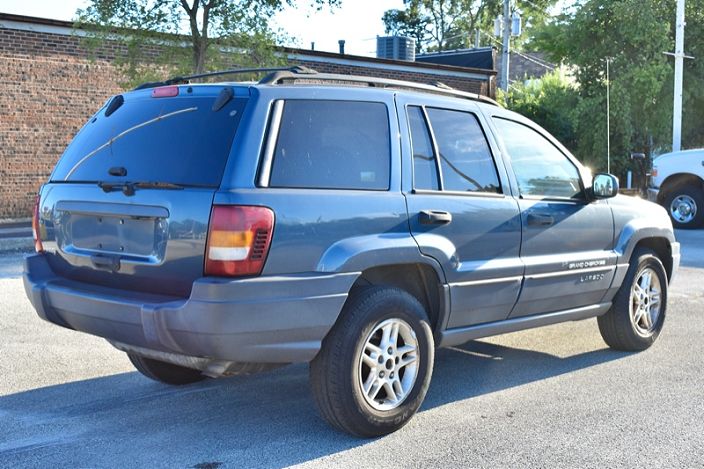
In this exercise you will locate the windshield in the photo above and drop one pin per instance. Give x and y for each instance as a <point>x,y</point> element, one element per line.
<point>177,140</point>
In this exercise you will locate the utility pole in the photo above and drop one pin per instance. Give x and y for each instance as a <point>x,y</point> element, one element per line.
<point>505,53</point>
<point>679,59</point>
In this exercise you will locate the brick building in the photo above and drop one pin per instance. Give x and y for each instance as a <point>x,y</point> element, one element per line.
<point>49,87</point>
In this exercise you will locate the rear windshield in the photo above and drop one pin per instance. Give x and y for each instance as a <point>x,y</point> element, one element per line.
<point>178,140</point>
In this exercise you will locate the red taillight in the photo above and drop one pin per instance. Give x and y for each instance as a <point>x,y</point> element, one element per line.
<point>165,92</point>
<point>238,240</point>
<point>36,233</point>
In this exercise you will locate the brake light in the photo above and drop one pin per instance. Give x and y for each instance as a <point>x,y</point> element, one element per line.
<point>36,234</point>
<point>238,240</point>
<point>165,92</point>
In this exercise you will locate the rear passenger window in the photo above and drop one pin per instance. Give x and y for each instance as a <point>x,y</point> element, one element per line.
<point>332,145</point>
<point>465,158</point>
<point>425,171</point>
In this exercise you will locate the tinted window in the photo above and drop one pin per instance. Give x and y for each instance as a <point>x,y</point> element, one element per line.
<point>189,144</point>
<point>425,171</point>
<point>465,158</point>
<point>541,169</point>
<point>332,145</point>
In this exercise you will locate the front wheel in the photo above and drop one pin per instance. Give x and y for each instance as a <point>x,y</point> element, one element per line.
<point>637,314</point>
<point>374,367</point>
<point>685,205</point>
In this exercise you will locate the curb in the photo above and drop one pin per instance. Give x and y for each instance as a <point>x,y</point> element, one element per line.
<point>16,245</point>
<point>16,235</point>
<point>15,221</point>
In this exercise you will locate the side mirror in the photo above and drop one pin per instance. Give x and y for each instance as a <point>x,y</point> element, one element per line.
<point>604,186</point>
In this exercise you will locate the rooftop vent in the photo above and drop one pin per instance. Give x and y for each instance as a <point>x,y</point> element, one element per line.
<point>396,48</point>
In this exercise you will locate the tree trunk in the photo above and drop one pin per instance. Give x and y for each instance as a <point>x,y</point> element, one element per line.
<point>199,39</point>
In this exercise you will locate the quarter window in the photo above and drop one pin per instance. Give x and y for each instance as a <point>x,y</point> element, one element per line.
<point>540,168</point>
<point>332,145</point>
<point>425,171</point>
<point>465,158</point>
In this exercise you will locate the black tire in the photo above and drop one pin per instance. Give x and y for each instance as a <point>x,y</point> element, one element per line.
<point>165,372</point>
<point>336,371</point>
<point>688,192</point>
<point>618,326</point>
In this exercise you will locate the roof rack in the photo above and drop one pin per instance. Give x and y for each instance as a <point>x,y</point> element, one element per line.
<point>178,80</point>
<point>292,76</point>
<point>304,75</point>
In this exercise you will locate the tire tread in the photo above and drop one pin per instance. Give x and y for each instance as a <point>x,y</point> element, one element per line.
<point>615,325</point>
<point>165,372</point>
<point>331,392</point>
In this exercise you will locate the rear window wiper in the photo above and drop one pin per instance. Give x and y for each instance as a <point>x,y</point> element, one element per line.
<point>129,188</point>
<point>126,132</point>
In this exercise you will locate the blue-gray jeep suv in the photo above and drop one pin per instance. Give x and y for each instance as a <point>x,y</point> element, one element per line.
<point>354,223</point>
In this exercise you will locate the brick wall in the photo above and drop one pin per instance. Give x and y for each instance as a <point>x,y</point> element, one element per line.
<point>49,87</point>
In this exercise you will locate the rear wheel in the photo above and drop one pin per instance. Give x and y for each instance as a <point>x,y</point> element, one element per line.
<point>374,367</point>
<point>685,205</point>
<point>637,314</point>
<point>163,372</point>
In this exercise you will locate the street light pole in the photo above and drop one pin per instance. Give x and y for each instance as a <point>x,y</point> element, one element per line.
<point>505,53</point>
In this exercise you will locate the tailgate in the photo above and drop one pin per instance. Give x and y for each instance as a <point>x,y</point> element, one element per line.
<point>129,202</point>
<point>154,244</point>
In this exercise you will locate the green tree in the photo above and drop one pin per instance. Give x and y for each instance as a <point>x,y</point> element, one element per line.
<point>632,35</point>
<point>551,101</point>
<point>218,33</point>
<point>450,24</point>
<point>408,23</point>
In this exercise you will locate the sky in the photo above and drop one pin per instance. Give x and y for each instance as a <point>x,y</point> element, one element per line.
<point>358,22</point>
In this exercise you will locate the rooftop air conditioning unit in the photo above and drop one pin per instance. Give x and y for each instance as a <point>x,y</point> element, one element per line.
<point>396,48</point>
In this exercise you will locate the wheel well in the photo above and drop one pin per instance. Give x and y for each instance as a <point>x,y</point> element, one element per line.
<point>420,280</point>
<point>661,246</point>
<point>676,180</point>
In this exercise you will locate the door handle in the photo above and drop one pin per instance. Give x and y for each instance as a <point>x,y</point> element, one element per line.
<point>435,217</point>
<point>540,219</point>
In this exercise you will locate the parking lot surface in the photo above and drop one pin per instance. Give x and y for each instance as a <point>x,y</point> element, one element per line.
<point>555,397</point>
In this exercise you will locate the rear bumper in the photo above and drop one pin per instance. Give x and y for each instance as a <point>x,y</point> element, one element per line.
<point>274,319</point>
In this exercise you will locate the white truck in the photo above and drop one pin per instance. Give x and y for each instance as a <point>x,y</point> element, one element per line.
<point>677,183</point>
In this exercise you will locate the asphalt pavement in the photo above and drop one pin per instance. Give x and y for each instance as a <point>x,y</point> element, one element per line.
<point>550,397</point>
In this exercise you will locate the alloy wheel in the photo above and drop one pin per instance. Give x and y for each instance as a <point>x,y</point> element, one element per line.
<point>645,301</point>
<point>388,364</point>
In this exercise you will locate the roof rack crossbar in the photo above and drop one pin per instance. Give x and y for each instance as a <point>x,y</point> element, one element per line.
<point>289,77</point>
<point>186,79</point>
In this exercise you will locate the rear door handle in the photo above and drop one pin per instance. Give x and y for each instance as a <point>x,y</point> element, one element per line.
<point>540,219</point>
<point>435,217</point>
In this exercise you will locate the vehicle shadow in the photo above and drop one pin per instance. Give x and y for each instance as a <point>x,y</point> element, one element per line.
<point>266,420</point>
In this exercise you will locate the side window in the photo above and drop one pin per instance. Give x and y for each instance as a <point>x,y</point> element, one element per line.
<point>332,145</point>
<point>425,171</point>
<point>541,169</point>
<point>465,158</point>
